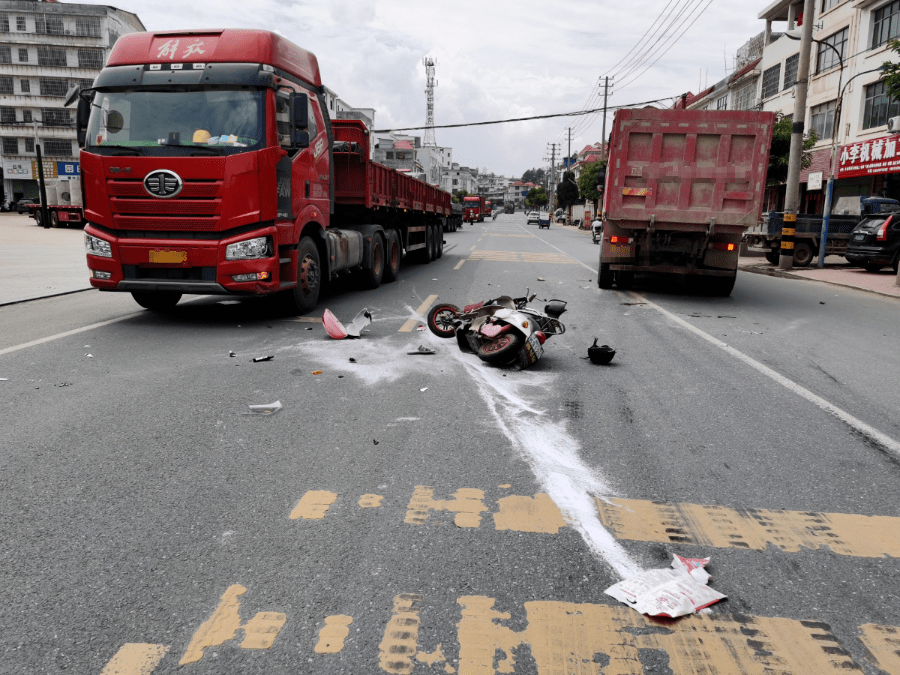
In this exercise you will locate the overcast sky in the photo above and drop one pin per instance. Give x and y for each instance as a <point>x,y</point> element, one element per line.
<point>495,59</point>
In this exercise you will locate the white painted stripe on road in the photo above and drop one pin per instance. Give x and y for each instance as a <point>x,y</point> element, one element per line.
<point>858,425</point>
<point>74,331</point>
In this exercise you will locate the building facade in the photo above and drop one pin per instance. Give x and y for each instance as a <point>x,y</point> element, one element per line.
<point>46,48</point>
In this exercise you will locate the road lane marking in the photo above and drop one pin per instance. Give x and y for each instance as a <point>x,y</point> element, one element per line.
<point>566,638</point>
<point>313,505</point>
<point>58,336</point>
<point>641,520</point>
<point>259,632</point>
<point>518,256</point>
<point>306,319</point>
<point>459,264</point>
<point>521,236</point>
<point>870,433</point>
<point>333,634</point>
<point>135,659</point>
<point>412,323</point>
<point>883,646</point>
<point>401,635</point>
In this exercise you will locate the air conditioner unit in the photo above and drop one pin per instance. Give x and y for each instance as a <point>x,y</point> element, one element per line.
<point>894,125</point>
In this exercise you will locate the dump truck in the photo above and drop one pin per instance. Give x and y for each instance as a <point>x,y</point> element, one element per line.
<point>63,204</point>
<point>681,188</point>
<point>474,209</point>
<point>211,166</point>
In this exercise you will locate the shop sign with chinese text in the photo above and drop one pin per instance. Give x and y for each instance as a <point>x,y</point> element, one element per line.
<point>867,158</point>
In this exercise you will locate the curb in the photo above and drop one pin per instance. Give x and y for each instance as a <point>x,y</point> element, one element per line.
<point>44,297</point>
<point>774,272</point>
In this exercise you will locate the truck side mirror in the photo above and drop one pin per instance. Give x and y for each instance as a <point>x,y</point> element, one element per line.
<point>82,115</point>
<point>299,120</point>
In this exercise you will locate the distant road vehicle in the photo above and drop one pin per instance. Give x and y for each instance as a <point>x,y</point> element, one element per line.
<point>544,219</point>
<point>875,242</point>
<point>474,209</point>
<point>22,205</point>
<point>533,217</point>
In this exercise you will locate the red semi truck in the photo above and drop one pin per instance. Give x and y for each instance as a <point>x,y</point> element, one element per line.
<point>474,209</point>
<point>210,166</point>
<point>681,188</point>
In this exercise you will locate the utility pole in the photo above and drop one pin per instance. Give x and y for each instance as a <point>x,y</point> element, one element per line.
<point>792,196</point>
<point>430,84</point>
<point>569,168</point>
<point>552,175</point>
<point>42,187</point>
<point>605,97</point>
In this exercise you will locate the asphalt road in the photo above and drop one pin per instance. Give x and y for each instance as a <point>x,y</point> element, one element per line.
<point>425,513</point>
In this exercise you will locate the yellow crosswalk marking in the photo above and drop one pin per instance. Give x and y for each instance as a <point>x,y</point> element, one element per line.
<point>412,323</point>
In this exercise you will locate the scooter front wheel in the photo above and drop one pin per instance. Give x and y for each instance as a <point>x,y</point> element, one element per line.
<point>501,351</point>
<point>442,318</point>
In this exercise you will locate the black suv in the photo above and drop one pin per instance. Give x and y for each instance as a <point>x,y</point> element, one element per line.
<point>875,242</point>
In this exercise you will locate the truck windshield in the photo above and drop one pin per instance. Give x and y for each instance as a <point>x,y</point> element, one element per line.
<point>227,121</point>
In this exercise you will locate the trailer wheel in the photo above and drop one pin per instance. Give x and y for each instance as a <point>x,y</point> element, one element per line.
<point>424,254</point>
<point>37,218</point>
<point>372,276</point>
<point>309,276</point>
<point>720,286</point>
<point>156,301</point>
<point>624,280</point>
<point>501,351</point>
<point>803,255</point>
<point>604,276</point>
<point>439,242</point>
<point>391,257</point>
<point>773,255</point>
<point>54,219</point>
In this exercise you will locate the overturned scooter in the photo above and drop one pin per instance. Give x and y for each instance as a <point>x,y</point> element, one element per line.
<point>501,331</point>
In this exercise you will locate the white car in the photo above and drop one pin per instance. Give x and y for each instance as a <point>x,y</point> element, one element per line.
<point>533,217</point>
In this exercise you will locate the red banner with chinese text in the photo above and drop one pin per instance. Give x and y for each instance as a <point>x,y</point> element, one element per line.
<point>867,158</point>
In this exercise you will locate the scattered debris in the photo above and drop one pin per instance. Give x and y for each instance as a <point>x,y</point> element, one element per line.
<point>338,331</point>
<point>90,356</point>
<point>420,327</point>
<point>258,359</point>
<point>232,354</point>
<point>600,355</point>
<point>422,350</point>
<point>374,441</point>
<point>316,372</point>
<point>821,303</point>
<point>267,409</point>
<point>4,379</point>
<point>630,304</point>
<point>309,328</point>
<point>352,360</point>
<point>541,279</point>
<point>668,592</point>
<point>63,384</point>
<point>424,389</point>
<point>725,316</point>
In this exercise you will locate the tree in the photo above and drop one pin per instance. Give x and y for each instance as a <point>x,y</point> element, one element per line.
<point>780,153</point>
<point>534,176</point>
<point>459,196</point>
<point>567,190</point>
<point>891,74</point>
<point>590,178</point>
<point>536,197</point>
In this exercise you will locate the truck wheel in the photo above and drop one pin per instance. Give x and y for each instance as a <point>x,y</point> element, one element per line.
<point>501,351</point>
<point>439,242</point>
<point>54,219</point>
<point>309,276</point>
<point>372,276</point>
<point>391,257</point>
<point>803,255</point>
<point>37,218</point>
<point>604,276</point>
<point>721,286</point>
<point>156,301</point>
<point>624,280</point>
<point>424,254</point>
<point>773,256</point>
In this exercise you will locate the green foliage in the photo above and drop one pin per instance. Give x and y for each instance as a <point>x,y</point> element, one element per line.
<point>567,190</point>
<point>459,196</point>
<point>536,197</point>
<point>536,176</point>
<point>891,73</point>
<point>779,155</point>
<point>590,178</point>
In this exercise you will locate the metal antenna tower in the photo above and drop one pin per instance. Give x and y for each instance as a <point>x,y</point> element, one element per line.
<point>431,83</point>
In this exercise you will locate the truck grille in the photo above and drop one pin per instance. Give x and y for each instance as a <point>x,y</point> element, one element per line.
<point>198,207</point>
<point>133,272</point>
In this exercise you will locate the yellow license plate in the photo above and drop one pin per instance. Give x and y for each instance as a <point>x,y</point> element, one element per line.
<point>168,256</point>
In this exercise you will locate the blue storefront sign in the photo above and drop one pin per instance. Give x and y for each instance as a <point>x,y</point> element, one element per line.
<point>68,169</point>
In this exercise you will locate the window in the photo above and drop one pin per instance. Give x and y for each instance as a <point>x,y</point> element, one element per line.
<point>87,26</point>
<point>389,154</point>
<point>26,86</point>
<point>770,81</point>
<point>822,119</point>
<point>10,146</point>
<point>90,58</point>
<point>887,24</point>
<point>51,56</point>
<point>790,71</point>
<point>85,83</point>
<point>26,116</point>
<point>20,24</point>
<point>56,147</point>
<point>4,23</point>
<point>7,115</point>
<point>23,55</point>
<point>53,86</point>
<point>826,57</point>
<point>47,24</point>
<point>878,106</point>
<point>6,85</point>
<point>29,145</point>
<point>722,103</point>
<point>55,117</point>
<point>5,54</point>
<point>112,39</point>
<point>828,4</point>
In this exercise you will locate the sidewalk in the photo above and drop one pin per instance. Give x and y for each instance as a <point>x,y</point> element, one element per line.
<point>37,263</point>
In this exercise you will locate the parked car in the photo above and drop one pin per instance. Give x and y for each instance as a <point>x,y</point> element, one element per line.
<point>559,216</point>
<point>544,219</point>
<point>22,205</point>
<point>597,231</point>
<point>875,242</point>
<point>533,217</point>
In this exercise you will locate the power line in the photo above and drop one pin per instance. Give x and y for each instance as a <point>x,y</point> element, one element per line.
<point>525,119</point>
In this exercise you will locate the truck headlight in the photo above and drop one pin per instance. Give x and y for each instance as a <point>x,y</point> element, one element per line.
<point>248,249</point>
<point>95,246</point>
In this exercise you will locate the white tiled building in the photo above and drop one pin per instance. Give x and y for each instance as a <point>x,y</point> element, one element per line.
<point>45,48</point>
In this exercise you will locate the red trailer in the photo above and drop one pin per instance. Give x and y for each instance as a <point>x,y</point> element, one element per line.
<point>211,166</point>
<point>681,188</point>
